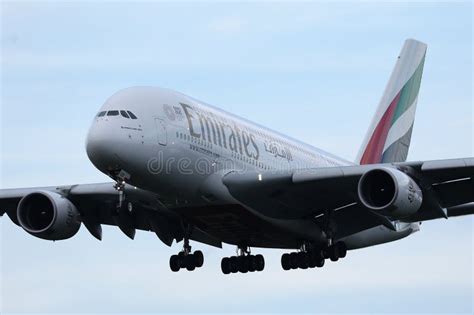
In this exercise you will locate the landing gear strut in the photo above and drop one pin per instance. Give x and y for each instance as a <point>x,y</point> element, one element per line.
<point>122,205</point>
<point>244,262</point>
<point>121,177</point>
<point>337,250</point>
<point>186,259</point>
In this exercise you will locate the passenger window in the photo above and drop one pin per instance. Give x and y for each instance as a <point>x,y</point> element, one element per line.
<point>113,113</point>
<point>124,114</point>
<point>131,115</point>
<point>101,114</point>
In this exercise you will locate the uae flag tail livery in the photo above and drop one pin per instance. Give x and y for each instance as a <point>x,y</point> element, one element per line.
<point>389,134</point>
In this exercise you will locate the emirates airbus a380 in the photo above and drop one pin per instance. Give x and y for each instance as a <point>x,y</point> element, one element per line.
<point>189,171</point>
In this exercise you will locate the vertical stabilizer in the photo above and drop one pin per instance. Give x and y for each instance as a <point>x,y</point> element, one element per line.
<point>389,134</point>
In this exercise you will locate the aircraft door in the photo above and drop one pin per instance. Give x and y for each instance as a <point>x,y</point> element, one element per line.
<point>161,130</point>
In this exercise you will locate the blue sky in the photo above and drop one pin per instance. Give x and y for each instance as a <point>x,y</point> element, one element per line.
<point>312,70</point>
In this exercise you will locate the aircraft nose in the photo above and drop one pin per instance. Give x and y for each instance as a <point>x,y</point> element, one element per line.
<point>101,147</point>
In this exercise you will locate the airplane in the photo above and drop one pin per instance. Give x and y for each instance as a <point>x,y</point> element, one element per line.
<point>188,171</point>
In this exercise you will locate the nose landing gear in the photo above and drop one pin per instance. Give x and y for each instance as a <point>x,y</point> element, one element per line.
<point>122,205</point>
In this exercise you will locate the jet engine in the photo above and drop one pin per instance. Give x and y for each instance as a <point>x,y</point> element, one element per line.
<point>390,192</point>
<point>48,215</point>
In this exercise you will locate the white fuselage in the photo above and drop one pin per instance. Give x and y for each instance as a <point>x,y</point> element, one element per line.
<point>180,136</point>
<point>175,144</point>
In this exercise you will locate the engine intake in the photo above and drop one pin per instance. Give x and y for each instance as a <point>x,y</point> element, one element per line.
<point>48,215</point>
<point>390,192</point>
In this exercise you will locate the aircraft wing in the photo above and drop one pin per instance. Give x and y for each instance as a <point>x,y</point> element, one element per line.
<point>447,187</point>
<point>97,202</point>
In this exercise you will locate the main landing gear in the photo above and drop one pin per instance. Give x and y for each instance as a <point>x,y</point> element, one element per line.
<point>335,251</point>
<point>186,259</point>
<point>244,262</point>
<point>309,257</point>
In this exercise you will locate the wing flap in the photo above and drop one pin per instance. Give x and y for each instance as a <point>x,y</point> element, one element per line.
<point>464,209</point>
<point>456,192</point>
<point>443,170</point>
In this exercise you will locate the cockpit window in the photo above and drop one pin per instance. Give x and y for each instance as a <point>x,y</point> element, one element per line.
<point>131,115</point>
<point>124,114</point>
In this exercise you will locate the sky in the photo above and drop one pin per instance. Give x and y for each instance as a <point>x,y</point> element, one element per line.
<point>312,70</point>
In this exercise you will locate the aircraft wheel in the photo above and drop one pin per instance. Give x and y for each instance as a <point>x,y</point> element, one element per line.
<point>285,261</point>
<point>225,265</point>
<point>325,253</point>
<point>174,263</point>
<point>190,262</point>
<point>342,249</point>
<point>312,259</point>
<point>252,263</point>
<point>320,262</point>
<point>334,253</point>
<point>294,260</point>
<point>234,266</point>
<point>243,264</point>
<point>303,261</point>
<point>260,262</point>
<point>198,258</point>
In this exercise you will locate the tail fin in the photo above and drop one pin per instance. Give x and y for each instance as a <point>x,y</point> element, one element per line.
<point>389,134</point>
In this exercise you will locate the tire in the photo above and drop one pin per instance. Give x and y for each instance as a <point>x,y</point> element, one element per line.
<point>320,262</point>
<point>294,260</point>
<point>175,263</point>
<point>303,262</point>
<point>312,259</point>
<point>252,263</point>
<point>285,261</point>
<point>198,258</point>
<point>260,262</point>
<point>243,264</point>
<point>190,262</point>
<point>225,265</point>
<point>234,266</point>
<point>325,253</point>
<point>334,253</point>
<point>342,248</point>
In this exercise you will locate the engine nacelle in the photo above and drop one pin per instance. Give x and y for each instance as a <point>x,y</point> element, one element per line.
<point>390,192</point>
<point>48,215</point>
